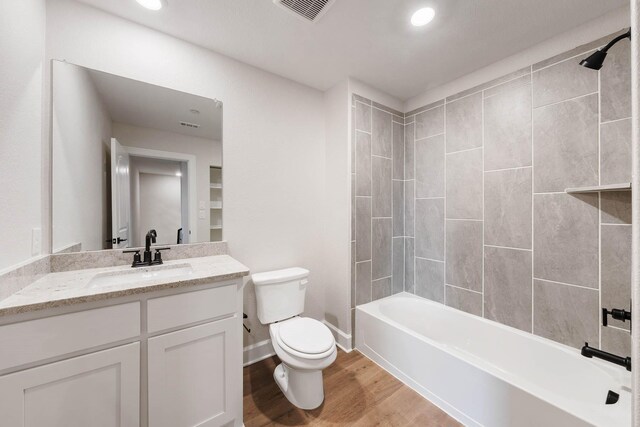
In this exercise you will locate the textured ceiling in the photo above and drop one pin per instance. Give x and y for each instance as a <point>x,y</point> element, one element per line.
<point>370,40</point>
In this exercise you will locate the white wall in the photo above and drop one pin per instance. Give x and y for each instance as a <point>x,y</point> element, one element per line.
<point>160,206</point>
<point>600,27</point>
<point>337,250</point>
<point>207,152</point>
<point>22,31</point>
<point>81,158</point>
<point>273,137</point>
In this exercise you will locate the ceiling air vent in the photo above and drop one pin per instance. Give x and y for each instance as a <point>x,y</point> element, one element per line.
<point>190,125</point>
<point>309,10</point>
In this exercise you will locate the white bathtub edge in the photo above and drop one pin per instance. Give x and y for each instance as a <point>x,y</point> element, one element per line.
<point>432,398</point>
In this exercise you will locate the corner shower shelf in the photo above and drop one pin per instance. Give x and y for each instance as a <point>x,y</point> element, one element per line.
<point>216,227</point>
<point>215,185</point>
<point>624,186</point>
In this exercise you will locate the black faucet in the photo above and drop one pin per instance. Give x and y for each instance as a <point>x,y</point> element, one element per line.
<point>147,261</point>
<point>618,314</point>
<point>609,357</point>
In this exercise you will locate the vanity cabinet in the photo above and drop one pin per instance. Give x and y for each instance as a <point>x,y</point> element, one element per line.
<point>97,389</point>
<point>166,358</point>
<point>194,378</point>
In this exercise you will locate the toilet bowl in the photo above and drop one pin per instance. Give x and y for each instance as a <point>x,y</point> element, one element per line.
<point>304,345</point>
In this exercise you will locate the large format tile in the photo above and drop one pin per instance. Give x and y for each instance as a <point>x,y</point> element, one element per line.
<point>398,208</point>
<point>409,144</point>
<point>429,123</point>
<point>363,228</point>
<point>430,167</point>
<point>464,123</point>
<point>464,300</point>
<point>565,143</point>
<point>615,152</point>
<point>429,229</point>
<point>363,117</point>
<point>567,314</point>
<point>615,83</point>
<point>464,184</point>
<point>398,151</point>
<point>398,264</point>
<point>381,138</point>
<point>464,254</point>
<point>616,269</point>
<point>616,207</point>
<point>363,164</point>
<point>562,81</point>
<point>381,186</point>
<point>508,286</point>
<point>381,288</point>
<point>409,202</point>
<point>616,341</point>
<point>566,238</point>
<point>409,259</point>
<point>507,211</point>
<point>507,128</point>
<point>381,247</point>
<point>363,282</point>
<point>430,279</point>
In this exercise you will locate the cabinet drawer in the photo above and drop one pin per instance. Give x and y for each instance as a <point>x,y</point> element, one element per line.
<point>190,307</point>
<point>40,339</point>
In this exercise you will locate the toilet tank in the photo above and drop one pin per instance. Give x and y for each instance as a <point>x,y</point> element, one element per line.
<point>280,293</point>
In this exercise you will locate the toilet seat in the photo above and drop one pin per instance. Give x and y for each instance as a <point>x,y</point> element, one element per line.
<point>305,338</point>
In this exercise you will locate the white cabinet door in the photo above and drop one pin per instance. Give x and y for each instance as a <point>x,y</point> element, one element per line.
<point>100,390</point>
<point>195,376</point>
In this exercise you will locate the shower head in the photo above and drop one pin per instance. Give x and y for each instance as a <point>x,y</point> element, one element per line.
<point>596,59</point>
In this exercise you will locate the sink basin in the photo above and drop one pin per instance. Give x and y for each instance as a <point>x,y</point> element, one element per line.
<point>140,275</point>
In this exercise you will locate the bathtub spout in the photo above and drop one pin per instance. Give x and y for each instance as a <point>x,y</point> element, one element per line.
<point>609,357</point>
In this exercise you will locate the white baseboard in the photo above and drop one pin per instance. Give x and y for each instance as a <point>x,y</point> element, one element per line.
<point>256,352</point>
<point>343,340</point>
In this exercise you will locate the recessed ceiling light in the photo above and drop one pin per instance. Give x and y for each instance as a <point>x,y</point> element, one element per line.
<point>421,17</point>
<point>194,111</point>
<point>152,4</point>
<point>178,173</point>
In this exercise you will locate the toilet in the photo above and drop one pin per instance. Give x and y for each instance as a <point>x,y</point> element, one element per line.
<point>304,345</point>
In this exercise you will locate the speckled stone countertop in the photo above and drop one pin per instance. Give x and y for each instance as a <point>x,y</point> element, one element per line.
<point>65,288</point>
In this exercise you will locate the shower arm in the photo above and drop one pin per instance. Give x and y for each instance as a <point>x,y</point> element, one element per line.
<point>616,40</point>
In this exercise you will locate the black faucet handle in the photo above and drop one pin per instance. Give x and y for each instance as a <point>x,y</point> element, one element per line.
<point>157,257</point>
<point>616,313</point>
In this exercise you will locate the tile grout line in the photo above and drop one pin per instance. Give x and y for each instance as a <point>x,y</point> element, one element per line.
<point>508,247</point>
<point>533,288</point>
<point>599,212</point>
<point>566,100</point>
<point>464,289</point>
<point>461,151</point>
<point>444,203</point>
<point>509,169</point>
<point>566,284</point>
<point>483,199</point>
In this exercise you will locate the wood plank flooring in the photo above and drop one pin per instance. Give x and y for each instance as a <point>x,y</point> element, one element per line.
<point>357,393</point>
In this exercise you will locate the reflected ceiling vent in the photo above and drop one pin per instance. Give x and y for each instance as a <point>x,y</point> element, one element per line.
<point>309,10</point>
<point>190,125</point>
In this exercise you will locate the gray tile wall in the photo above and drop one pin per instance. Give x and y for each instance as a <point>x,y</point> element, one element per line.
<point>487,222</point>
<point>377,201</point>
<point>462,201</point>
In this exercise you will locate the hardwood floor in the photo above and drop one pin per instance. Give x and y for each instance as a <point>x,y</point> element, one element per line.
<point>357,393</point>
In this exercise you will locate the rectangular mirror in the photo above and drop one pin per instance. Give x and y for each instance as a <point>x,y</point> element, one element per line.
<point>129,157</point>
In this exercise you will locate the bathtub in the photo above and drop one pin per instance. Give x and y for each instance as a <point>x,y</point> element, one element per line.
<point>485,374</point>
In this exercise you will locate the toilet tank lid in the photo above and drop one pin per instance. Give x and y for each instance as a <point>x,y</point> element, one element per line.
<point>286,275</point>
